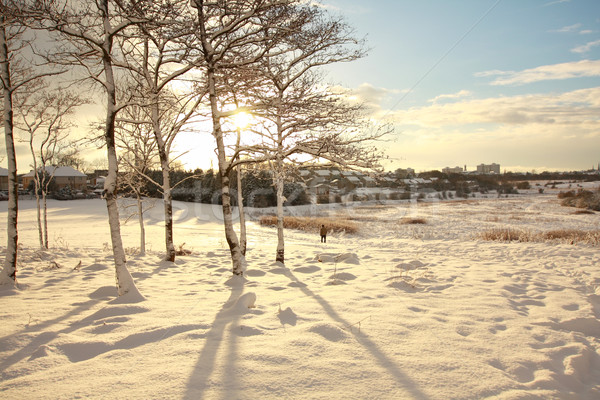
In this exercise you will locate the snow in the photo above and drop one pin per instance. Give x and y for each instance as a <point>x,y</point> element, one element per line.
<point>396,311</point>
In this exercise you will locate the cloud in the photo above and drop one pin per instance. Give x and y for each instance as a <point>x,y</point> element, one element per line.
<point>586,47</point>
<point>559,130</point>
<point>575,109</point>
<point>570,28</point>
<point>556,2</point>
<point>457,95</point>
<point>369,94</point>
<point>576,69</point>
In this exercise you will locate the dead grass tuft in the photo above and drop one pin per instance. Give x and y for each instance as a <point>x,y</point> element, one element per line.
<point>312,224</point>
<point>413,221</point>
<point>579,212</point>
<point>180,251</point>
<point>571,236</point>
<point>506,235</point>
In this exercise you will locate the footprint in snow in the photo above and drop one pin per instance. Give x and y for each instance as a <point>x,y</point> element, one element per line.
<point>307,270</point>
<point>329,332</point>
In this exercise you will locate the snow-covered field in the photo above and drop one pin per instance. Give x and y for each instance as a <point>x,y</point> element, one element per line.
<point>396,311</point>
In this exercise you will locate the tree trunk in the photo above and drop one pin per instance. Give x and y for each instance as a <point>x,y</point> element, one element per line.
<point>279,179</point>
<point>9,272</point>
<point>168,206</point>
<point>140,206</point>
<point>163,153</point>
<point>37,188</point>
<point>45,218</point>
<point>237,258</point>
<point>240,199</point>
<point>38,203</point>
<point>280,242</point>
<point>124,281</point>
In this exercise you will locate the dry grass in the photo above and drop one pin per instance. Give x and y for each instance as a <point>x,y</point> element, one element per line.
<point>413,221</point>
<point>579,212</point>
<point>574,236</point>
<point>312,224</point>
<point>360,218</point>
<point>506,235</point>
<point>582,199</point>
<point>571,236</point>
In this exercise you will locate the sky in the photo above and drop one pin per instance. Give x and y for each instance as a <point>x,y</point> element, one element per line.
<point>480,81</point>
<point>465,82</point>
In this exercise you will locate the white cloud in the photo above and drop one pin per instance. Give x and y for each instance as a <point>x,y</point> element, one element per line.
<point>586,47</point>
<point>561,130</point>
<point>576,108</point>
<point>570,28</point>
<point>369,94</point>
<point>457,95</point>
<point>556,2</point>
<point>576,69</point>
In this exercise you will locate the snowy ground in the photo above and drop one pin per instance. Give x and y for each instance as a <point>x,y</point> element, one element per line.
<point>395,311</point>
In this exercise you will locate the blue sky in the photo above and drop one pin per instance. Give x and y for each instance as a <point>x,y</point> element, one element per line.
<point>480,81</point>
<point>465,82</point>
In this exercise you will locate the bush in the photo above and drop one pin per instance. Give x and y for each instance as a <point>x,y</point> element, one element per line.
<point>323,199</point>
<point>565,195</point>
<point>583,199</point>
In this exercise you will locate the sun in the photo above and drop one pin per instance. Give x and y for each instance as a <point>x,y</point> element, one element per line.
<point>241,119</point>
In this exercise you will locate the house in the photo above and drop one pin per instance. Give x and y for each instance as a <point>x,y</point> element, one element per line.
<point>97,178</point>
<point>63,177</point>
<point>3,179</point>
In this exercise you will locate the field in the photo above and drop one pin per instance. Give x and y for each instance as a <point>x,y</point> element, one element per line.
<point>422,301</point>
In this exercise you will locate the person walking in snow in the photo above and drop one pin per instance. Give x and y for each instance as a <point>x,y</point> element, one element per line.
<point>323,234</point>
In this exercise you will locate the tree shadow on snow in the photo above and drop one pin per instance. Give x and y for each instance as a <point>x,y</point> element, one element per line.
<point>382,359</point>
<point>229,316</point>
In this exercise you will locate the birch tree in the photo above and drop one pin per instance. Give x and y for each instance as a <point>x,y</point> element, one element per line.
<point>44,116</point>
<point>89,31</point>
<point>15,72</point>
<point>9,271</point>
<point>232,35</point>
<point>158,54</point>
<point>136,140</point>
<point>301,113</point>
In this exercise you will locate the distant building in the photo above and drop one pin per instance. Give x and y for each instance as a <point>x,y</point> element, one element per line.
<point>455,170</point>
<point>62,176</point>
<point>488,169</point>
<point>3,179</point>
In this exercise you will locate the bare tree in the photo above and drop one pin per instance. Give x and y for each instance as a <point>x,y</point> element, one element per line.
<point>43,115</point>
<point>139,149</point>
<point>89,30</point>
<point>158,54</point>
<point>233,35</point>
<point>10,263</point>
<point>300,113</point>
<point>15,72</point>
